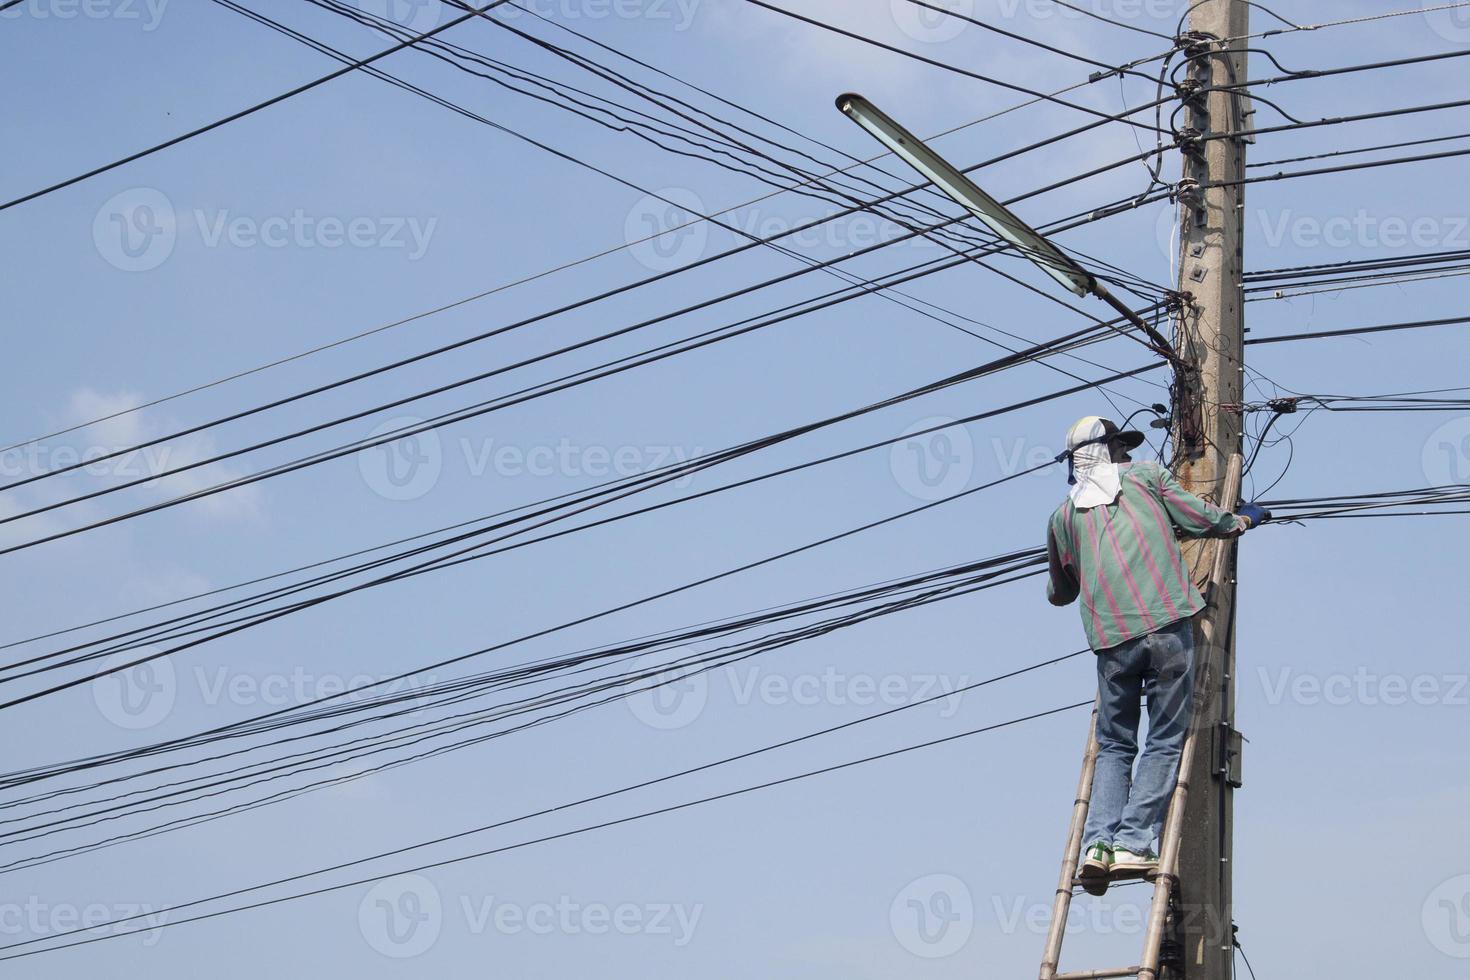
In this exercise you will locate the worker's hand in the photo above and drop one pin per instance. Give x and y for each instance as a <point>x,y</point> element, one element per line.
<point>1254,514</point>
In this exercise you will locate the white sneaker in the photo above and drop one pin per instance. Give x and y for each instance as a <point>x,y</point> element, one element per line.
<point>1130,863</point>
<point>1097,863</point>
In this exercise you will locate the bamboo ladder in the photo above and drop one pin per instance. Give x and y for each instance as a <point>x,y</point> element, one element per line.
<point>1212,626</point>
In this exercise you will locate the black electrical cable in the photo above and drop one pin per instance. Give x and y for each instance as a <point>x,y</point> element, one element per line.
<point>1360,149</point>
<point>945,264</point>
<point>959,15</point>
<point>1338,120</point>
<point>509,847</point>
<point>1355,331</point>
<point>483,335</point>
<point>560,268</point>
<point>88,678</point>
<point>1106,117</point>
<point>1341,168</point>
<point>1330,268</point>
<point>660,674</point>
<point>657,477</point>
<point>308,86</point>
<point>478,684</point>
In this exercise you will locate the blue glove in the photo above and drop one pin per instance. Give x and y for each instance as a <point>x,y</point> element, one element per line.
<point>1255,514</point>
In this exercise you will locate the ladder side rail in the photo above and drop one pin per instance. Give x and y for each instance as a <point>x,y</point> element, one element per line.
<point>1062,901</point>
<point>1209,628</point>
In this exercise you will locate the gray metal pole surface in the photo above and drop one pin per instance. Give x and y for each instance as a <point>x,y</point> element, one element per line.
<point>1210,338</point>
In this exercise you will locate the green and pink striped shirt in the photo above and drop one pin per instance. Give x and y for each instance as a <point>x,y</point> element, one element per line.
<point>1123,560</point>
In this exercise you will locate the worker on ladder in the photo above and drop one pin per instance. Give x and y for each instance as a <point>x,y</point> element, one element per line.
<point>1111,543</point>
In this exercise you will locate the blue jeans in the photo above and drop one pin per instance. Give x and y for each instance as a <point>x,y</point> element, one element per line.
<point>1127,810</point>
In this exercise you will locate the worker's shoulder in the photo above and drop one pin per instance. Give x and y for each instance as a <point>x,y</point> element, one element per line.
<point>1144,470</point>
<point>1060,516</point>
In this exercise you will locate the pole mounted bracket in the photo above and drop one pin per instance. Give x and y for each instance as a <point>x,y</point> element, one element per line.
<point>1195,43</point>
<point>1191,92</point>
<point>1191,143</point>
<point>1187,404</point>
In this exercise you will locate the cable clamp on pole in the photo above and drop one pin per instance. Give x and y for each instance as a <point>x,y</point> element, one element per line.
<point>1187,191</point>
<point>1191,143</point>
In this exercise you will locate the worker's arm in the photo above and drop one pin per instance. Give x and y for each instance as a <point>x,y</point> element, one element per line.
<point>1061,585</point>
<point>1195,517</point>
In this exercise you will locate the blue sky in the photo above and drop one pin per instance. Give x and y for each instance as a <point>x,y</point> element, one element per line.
<point>357,205</point>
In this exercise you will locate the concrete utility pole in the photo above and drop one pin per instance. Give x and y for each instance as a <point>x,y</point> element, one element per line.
<point>1207,434</point>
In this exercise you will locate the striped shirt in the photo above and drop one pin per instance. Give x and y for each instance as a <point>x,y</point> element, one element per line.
<point>1123,560</point>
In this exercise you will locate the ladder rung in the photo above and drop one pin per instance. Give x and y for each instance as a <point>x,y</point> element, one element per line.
<point>1151,875</point>
<point>1117,971</point>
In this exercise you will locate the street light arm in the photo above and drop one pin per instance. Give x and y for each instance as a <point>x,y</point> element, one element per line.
<point>966,193</point>
<point>996,216</point>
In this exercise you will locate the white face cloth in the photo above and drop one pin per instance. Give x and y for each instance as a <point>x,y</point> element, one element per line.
<point>1092,465</point>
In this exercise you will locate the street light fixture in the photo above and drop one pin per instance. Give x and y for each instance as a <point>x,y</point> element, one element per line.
<point>996,216</point>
